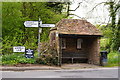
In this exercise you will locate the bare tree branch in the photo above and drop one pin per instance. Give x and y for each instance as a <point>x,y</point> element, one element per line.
<point>108,22</point>
<point>77,7</point>
<point>118,6</point>
<point>73,10</point>
<point>96,6</point>
<point>75,15</point>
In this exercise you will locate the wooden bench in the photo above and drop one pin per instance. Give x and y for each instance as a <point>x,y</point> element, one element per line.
<point>74,58</point>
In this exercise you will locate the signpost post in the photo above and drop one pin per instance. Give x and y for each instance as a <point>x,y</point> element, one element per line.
<point>39,25</point>
<point>39,32</point>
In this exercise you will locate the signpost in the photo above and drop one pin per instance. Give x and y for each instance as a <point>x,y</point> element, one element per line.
<point>18,49</point>
<point>39,25</point>
<point>39,31</point>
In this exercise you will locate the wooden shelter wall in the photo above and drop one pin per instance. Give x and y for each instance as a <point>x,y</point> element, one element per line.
<point>93,51</point>
<point>90,49</point>
<point>71,49</point>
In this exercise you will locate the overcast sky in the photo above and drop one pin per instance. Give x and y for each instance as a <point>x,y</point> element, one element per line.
<point>99,15</point>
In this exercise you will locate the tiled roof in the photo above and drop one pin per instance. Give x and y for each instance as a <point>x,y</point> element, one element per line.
<point>76,26</point>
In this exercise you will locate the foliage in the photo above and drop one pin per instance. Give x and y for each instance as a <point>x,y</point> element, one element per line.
<point>110,40</point>
<point>105,44</point>
<point>114,24</point>
<point>13,16</point>
<point>113,59</point>
<point>57,7</point>
<point>14,33</point>
<point>16,58</point>
<point>12,26</point>
<point>48,54</point>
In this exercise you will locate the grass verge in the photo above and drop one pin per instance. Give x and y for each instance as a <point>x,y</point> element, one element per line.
<point>113,59</point>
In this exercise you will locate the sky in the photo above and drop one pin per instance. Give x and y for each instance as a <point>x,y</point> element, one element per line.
<point>100,14</point>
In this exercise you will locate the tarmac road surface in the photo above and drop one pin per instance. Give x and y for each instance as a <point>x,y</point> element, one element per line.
<point>76,73</point>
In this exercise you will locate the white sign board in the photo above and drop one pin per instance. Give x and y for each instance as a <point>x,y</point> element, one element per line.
<point>18,49</point>
<point>48,25</point>
<point>31,23</point>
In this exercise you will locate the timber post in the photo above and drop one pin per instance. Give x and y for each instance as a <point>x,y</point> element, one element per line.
<point>58,41</point>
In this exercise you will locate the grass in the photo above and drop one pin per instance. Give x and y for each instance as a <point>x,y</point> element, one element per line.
<point>113,59</point>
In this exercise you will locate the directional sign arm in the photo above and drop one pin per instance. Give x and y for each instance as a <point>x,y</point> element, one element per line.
<point>48,25</point>
<point>31,23</point>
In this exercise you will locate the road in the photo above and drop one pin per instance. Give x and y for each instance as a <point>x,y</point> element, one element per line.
<point>79,73</point>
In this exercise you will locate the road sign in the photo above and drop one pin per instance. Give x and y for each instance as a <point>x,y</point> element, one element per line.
<point>29,53</point>
<point>18,49</point>
<point>31,23</point>
<point>48,25</point>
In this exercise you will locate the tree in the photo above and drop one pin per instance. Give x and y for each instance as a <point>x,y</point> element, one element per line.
<point>112,29</point>
<point>115,39</point>
<point>11,26</point>
<point>15,13</point>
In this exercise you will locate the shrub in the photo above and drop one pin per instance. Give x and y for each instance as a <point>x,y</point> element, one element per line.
<point>105,44</point>
<point>48,54</point>
<point>113,58</point>
<point>16,58</point>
